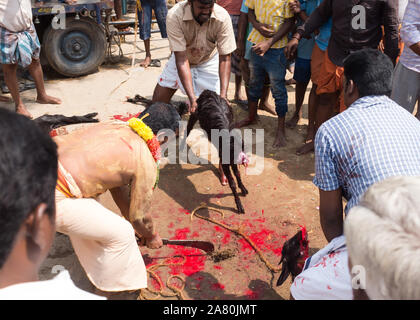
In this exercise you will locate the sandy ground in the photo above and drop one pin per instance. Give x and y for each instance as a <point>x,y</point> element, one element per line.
<point>280,199</point>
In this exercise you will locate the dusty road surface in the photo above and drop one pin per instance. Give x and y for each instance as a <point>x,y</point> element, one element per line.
<point>281,199</point>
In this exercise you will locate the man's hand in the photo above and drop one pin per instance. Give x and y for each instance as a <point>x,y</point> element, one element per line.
<point>192,105</point>
<point>295,6</point>
<point>262,47</point>
<point>266,30</point>
<point>291,48</point>
<point>240,51</point>
<point>155,242</point>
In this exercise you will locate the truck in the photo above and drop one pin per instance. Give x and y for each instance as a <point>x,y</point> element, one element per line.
<point>73,37</point>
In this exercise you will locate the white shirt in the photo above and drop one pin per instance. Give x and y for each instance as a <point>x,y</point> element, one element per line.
<point>59,288</point>
<point>15,15</point>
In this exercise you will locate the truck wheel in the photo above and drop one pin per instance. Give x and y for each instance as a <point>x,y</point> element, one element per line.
<point>76,50</point>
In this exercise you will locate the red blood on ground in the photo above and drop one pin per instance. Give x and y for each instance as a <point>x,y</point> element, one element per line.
<point>217,286</point>
<point>252,295</point>
<point>194,257</point>
<point>181,234</point>
<point>217,267</point>
<point>184,211</point>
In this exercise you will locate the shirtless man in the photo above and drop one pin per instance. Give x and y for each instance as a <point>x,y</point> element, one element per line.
<point>110,156</point>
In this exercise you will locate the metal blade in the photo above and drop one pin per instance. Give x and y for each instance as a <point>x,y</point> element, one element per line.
<point>199,244</point>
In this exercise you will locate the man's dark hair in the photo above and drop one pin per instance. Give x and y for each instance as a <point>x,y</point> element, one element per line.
<point>161,116</point>
<point>28,175</point>
<point>371,71</point>
<point>205,1</point>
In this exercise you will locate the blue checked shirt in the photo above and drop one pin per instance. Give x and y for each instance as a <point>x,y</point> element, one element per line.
<point>410,34</point>
<point>372,140</point>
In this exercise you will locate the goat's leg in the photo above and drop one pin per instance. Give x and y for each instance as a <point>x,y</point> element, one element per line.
<point>191,122</point>
<point>232,185</point>
<point>238,178</point>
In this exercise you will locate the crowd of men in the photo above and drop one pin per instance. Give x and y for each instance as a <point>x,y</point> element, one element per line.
<point>363,59</point>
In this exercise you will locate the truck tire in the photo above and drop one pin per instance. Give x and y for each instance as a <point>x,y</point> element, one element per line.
<point>76,50</point>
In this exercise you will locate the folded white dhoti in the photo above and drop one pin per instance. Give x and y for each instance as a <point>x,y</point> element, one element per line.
<point>103,241</point>
<point>325,275</point>
<point>205,76</point>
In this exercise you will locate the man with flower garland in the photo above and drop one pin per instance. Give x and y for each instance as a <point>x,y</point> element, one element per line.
<point>122,158</point>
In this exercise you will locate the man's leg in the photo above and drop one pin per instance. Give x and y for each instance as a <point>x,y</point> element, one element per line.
<point>148,59</point>
<point>10,78</point>
<point>145,21</point>
<point>256,84</point>
<point>302,75</point>
<point>264,104</point>
<point>238,86</point>
<point>299,97</point>
<point>163,94</point>
<point>276,69</point>
<point>105,244</point>
<point>35,70</point>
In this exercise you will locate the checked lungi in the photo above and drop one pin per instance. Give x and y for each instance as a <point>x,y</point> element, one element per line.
<point>19,47</point>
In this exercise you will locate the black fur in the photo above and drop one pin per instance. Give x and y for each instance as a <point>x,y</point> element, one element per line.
<point>290,255</point>
<point>49,122</point>
<point>213,112</point>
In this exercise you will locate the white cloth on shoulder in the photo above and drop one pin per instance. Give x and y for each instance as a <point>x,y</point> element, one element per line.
<point>325,275</point>
<point>61,287</point>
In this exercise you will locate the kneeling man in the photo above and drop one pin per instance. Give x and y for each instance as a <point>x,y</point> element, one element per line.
<point>122,158</point>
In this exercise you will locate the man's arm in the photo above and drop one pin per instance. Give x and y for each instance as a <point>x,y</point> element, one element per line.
<point>242,26</point>
<point>331,213</point>
<point>265,29</point>
<point>313,23</point>
<point>316,19</point>
<point>410,31</point>
<point>141,200</point>
<point>391,29</point>
<point>184,73</point>
<point>121,196</point>
<point>224,74</point>
<point>262,47</point>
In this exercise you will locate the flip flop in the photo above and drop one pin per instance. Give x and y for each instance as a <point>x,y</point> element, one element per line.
<point>155,63</point>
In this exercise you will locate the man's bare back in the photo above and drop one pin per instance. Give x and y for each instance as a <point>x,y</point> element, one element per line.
<point>110,156</point>
<point>102,156</point>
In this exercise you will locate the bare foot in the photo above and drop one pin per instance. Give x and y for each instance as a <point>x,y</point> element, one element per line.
<point>306,148</point>
<point>5,99</point>
<point>290,81</point>
<point>280,141</point>
<point>21,109</point>
<point>267,107</point>
<point>239,99</point>
<point>146,62</point>
<point>292,123</point>
<point>245,122</point>
<point>155,242</point>
<point>48,100</point>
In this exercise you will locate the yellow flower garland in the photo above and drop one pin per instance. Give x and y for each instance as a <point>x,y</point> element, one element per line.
<point>142,129</point>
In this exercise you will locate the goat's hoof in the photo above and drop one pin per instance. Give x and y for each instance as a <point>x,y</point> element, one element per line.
<point>244,192</point>
<point>241,210</point>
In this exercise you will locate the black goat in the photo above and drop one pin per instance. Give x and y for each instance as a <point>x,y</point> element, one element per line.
<point>293,255</point>
<point>49,122</point>
<point>213,112</point>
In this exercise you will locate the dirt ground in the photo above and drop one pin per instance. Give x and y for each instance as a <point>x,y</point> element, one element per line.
<point>280,199</point>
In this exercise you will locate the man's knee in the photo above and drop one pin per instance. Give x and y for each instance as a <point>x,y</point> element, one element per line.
<point>122,233</point>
